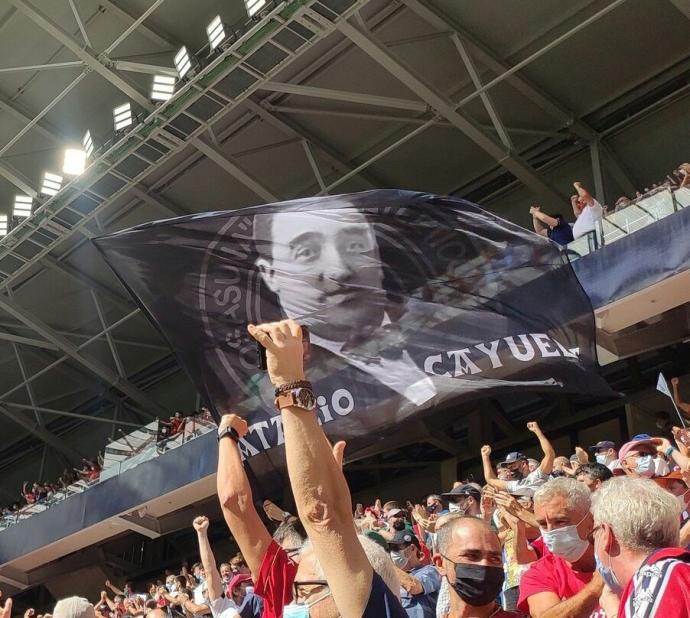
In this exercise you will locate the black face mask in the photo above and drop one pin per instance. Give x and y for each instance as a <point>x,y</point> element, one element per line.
<point>399,524</point>
<point>477,584</point>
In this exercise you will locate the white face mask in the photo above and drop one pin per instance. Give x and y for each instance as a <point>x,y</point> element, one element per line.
<point>301,610</point>
<point>456,508</point>
<point>400,559</point>
<point>566,542</point>
<point>601,458</point>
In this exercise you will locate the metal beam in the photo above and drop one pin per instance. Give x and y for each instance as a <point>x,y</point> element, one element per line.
<point>42,433</point>
<point>137,22</point>
<point>80,23</point>
<point>597,172</point>
<point>346,96</point>
<point>226,163</point>
<point>43,67</point>
<point>17,179</point>
<point>139,67</point>
<point>85,417</point>
<point>54,30</point>
<point>108,336</point>
<point>155,36</point>
<point>36,343</point>
<point>69,349</point>
<point>12,108</point>
<point>683,6</point>
<point>512,162</point>
<point>312,163</point>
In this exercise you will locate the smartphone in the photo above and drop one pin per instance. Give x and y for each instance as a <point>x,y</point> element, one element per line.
<point>261,351</point>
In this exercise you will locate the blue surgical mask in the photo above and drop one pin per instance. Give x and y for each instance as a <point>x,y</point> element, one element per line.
<point>301,610</point>
<point>566,542</point>
<point>601,458</point>
<point>608,575</point>
<point>645,466</point>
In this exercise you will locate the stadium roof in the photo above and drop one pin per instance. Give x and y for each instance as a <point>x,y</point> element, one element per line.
<point>500,101</point>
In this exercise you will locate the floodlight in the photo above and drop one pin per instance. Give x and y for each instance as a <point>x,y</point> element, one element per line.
<point>122,117</point>
<point>3,225</point>
<point>163,87</point>
<point>22,206</point>
<point>87,142</point>
<point>254,6</point>
<point>75,162</point>
<point>51,183</point>
<point>183,62</point>
<point>216,32</point>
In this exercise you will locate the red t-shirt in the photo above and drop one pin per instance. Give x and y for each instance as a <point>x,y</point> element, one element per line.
<point>660,587</point>
<point>539,547</point>
<point>553,574</point>
<point>274,583</point>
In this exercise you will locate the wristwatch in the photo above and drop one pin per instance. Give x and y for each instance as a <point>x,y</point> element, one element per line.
<point>228,431</point>
<point>296,398</point>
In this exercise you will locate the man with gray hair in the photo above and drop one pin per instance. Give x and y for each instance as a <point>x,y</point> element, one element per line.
<point>636,538</point>
<point>563,582</point>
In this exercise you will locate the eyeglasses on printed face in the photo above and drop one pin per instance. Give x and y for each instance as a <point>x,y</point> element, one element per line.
<point>304,589</point>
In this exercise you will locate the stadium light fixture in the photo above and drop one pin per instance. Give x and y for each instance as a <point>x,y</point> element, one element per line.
<point>215,32</point>
<point>163,87</point>
<point>75,162</point>
<point>22,206</point>
<point>3,225</point>
<point>122,117</point>
<point>51,183</point>
<point>254,6</point>
<point>87,142</point>
<point>183,62</point>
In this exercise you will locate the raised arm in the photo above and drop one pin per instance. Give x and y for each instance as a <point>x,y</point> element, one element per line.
<point>489,474</point>
<point>546,465</point>
<point>583,194</point>
<point>321,493</point>
<point>542,219</point>
<point>208,560</point>
<point>113,589</point>
<point>236,500</point>
<point>684,407</point>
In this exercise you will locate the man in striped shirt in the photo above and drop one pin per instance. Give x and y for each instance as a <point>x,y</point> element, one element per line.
<point>636,537</point>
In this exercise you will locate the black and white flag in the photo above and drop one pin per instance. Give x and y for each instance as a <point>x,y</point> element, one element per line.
<point>413,302</point>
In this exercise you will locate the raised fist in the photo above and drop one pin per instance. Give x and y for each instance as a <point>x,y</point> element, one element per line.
<point>200,523</point>
<point>675,381</point>
<point>533,426</point>
<point>486,450</point>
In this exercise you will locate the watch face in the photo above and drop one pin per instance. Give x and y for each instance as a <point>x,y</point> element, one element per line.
<point>305,398</point>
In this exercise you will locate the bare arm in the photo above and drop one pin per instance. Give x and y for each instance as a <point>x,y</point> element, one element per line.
<point>546,465</point>
<point>208,560</point>
<point>193,608</point>
<point>236,500</point>
<point>583,194</point>
<point>321,493</point>
<point>113,589</point>
<point>675,383</point>
<point>542,218</point>
<point>489,474</point>
<point>409,582</point>
<point>549,605</point>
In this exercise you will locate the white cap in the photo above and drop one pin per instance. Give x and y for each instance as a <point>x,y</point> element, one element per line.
<point>74,607</point>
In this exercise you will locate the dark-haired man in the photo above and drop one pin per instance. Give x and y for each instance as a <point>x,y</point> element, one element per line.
<point>593,475</point>
<point>464,499</point>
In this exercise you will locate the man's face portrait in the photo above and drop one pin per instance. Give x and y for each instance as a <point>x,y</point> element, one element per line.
<point>325,266</point>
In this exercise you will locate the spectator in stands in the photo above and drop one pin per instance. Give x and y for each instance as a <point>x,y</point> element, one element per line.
<point>587,210</point>
<point>605,453</point>
<point>73,607</point>
<point>622,202</point>
<point>175,424</point>
<point>464,499</point>
<point>523,481</point>
<point>238,565</point>
<point>684,173</point>
<point>396,519</point>
<point>241,591</point>
<point>220,605</point>
<point>636,537</point>
<point>562,582</point>
<point>469,559</point>
<point>593,475</point>
<point>419,582</point>
<point>273,564</point>
<point>663,424</point>
<point>675,383</point>
<point>640,458</point>
<point>434,505</point>
<point>6,609</point>
<point>351,585</point>
<point>676,483</point>
<point>553,227</point>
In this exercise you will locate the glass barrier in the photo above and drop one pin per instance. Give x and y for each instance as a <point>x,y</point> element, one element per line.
<point>125,453</point>
<point>645,211</point>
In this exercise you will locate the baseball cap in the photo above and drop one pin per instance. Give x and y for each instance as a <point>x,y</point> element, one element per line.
<point>512,458</point>
<point>237,580</point>
<point>74,607</point>
<point>464,490</point>
<point>403,537</point>
<point>602,444</point>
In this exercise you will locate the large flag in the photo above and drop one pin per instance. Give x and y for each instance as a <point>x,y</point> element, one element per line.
<point>413,302</point>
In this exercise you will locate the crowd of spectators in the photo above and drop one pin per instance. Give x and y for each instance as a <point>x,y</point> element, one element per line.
<point>599,533</point>
<point>588,211</point>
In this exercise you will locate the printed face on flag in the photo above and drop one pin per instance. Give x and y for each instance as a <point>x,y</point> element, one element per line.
<point>414,303</point>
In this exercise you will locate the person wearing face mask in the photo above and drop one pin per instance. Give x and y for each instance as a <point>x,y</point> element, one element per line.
<point>523,481</point>
<point>434,505</point>
<point>605,453</point>
<point>636,527</point>
<point>241,592</point>
<point>419,583</point>
<point>641,457</point>
<point>675,484</point>
<point>397,521</point>
<point>469,559</point>
<point>465,500</point>
<point>563,582</point>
